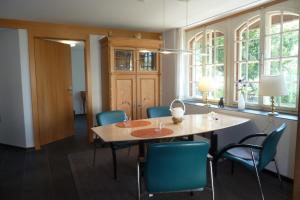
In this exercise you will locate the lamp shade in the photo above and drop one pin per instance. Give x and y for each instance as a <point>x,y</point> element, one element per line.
<point>272,86</point>
<point>206,85</point>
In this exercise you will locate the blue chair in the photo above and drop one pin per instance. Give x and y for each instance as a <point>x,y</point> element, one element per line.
<point>111,117</point>
<point>175,167</point>
<point>255,157</point>
<point>160,111</point>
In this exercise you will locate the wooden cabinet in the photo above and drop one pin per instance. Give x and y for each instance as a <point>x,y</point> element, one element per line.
<point>123,97</point>
<point>130,75</point>
<point>147,94</point>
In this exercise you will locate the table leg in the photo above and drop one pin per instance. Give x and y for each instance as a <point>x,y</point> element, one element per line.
<point>141,149</point>
<point>191,137</point>
<point>214,149</point>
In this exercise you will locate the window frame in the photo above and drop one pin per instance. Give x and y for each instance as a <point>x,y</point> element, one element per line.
<point>191,60</point>
<point>247,23</point>
<point>228,27</point>
<point>280,57</point>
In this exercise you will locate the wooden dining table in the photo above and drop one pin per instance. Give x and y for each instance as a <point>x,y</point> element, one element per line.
<point>153,129</point>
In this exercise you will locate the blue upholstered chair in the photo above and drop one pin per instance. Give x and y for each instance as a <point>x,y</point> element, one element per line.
<point>111,117</point>
<point>255,157</point>
<point>160,111</point>
<point>175,167</point>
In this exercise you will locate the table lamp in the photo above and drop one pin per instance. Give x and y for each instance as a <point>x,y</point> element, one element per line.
<point>206,85</point>
<point>272,86</point>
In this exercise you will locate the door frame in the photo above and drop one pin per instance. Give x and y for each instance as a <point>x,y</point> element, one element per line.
<point>88,81</point>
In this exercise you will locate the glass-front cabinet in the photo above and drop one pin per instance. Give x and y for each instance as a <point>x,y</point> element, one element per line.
<point>148,61</point>
<point>124,60</point>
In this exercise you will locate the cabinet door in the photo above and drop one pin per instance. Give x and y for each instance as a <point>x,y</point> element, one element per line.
<point>123,94</point>
<point>123,59</point>
<point>147,94</point>
<point>148,61</point>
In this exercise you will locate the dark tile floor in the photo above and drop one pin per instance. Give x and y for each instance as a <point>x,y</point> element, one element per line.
<point>43,174</point>
<point>46,174</point>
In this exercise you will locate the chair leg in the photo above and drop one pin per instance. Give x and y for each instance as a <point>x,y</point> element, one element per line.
<point>114,162</point>
<point>212,179</point>
<point>232,167</point>
<point>257,176</point>
<point>278,174</point>
<point>138,181</point>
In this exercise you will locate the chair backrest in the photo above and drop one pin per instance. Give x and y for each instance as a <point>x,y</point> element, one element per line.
<point>270,147</point>
<point>161,111</point>
<point>110,117</point>
<point>177,166</point>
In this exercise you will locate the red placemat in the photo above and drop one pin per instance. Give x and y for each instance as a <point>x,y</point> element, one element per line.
<point>133,124</point>
<point>152,132</point>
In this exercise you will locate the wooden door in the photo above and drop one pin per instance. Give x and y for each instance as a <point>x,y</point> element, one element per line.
<point>147,94</point>
<point>123,94</point>
<point>54,90</point>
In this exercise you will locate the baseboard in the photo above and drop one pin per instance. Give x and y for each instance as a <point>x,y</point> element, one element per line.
<point>284,178</point>
<point>80,115</point>
<point>17,147</point>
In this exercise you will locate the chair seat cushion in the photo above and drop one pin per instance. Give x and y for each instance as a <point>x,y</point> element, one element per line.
<point>242,156</point>
<point>244,153</point>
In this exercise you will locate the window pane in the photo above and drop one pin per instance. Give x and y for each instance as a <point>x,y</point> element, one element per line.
<point>275,23</point>
<point>198,73</point>
<point>253,50</point>
<point>290,22</point>
<point>289,69</point>
<point>197,57</point>
<point>290,99</point>
<point>273,46</point>
<point>254,30</point>
<point>272,67</point>
<point>244,51</point>
<point>219,39</point>
<point>219,72</point>
<point>252,93</point>
<point>253,72</point>
<point>220,55</point>
<point>290,42</point>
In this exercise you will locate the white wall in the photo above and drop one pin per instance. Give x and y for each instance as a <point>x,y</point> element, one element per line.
<point>78,77</point>
<point>26,91</point>
<point>95,57</point>
<point>15,106</point>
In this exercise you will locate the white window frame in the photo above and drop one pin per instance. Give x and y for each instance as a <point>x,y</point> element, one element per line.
<point>280,57</point>
<point>204,65</point>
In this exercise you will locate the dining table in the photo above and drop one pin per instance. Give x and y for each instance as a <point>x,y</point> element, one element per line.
<point>157,129</point>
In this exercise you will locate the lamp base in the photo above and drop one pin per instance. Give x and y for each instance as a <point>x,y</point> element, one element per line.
<point>273,113</point>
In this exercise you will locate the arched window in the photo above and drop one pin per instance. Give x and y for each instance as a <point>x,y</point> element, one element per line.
<point>247,59</point>
<point>281,53</point>
<point>207,60</point>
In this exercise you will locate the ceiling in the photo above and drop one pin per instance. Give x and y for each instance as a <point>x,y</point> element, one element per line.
<point>143,15</point>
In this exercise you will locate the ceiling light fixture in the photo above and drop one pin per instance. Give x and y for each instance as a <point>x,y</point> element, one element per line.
<point>165,50</point>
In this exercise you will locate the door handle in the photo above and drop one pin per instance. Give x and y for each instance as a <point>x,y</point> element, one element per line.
<point>70,89</point>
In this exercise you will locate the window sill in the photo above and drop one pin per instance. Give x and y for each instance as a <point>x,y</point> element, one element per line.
<point>250,111</point>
